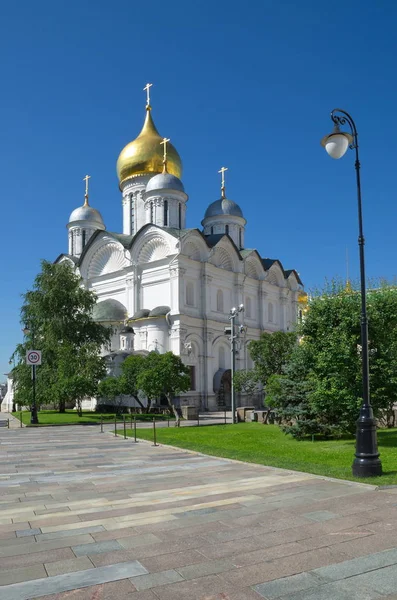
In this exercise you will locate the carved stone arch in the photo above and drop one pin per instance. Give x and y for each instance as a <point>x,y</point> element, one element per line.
<point>275,277</point>
<point>108,258</point>
<point>156,248</point>
<point>192,250</point>
<point>293,283</point>
<point>196,341</point>
<point>222,259</point>
<point>252,268</point>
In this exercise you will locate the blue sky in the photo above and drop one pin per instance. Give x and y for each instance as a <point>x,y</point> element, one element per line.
<point>246,85</point>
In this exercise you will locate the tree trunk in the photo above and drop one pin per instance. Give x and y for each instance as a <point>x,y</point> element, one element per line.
<point>62,408</point>
<point>172,407</point>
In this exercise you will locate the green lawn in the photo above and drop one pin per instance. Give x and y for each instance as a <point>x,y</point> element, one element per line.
<point>267,445</point>
<point>70,417</point>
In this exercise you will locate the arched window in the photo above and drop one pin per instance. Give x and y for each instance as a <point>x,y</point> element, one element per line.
<point>190,293</point>
<point>240,238</point>
<point>270,315</point>
<point>248,307</point>
<point>219,301</point>
<point>165,213</point>
<point>222,359</point>
<point>72,243</point>
<point>84,237</point>
<point>227,229</point>
<point>180,216</point>
<point>151,212</point>
<point>212,230</point>
<point>132,214</point>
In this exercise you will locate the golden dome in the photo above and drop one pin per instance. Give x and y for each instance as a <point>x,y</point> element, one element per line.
<point>145,154</point>
<point>302,297</point>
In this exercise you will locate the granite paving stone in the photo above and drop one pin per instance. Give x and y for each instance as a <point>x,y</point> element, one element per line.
<point>357,566</point>
<point>339,590</point>
<point>68,566</point>
<point>27,532</point>
<point>71,581</point>
<point>96,548</point>
<point>295,583</point>
<point>145,582</point>
<point>22,574</point>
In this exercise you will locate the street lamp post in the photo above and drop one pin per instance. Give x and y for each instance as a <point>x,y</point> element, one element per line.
<point>34,420</point>
<point>366,462</point>
<point>233,336</point>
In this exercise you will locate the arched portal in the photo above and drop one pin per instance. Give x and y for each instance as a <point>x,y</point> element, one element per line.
<point>223,388</point>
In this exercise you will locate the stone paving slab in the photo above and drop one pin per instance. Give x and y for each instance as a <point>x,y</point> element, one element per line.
<point>104,518</point>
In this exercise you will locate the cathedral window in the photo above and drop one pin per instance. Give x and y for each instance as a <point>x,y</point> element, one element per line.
<point>132,215</point>
<point>192,370</point>
<point>151,212</point>
<point>190,293</point>
<point>270,315</point>
<point>165,213</point>
<point>248,307</point>
<point>222,358</point>
<point>240,238</point>
<point>219,301</point>
<point>84,237</point>
<point>227,229</point>
<point>180,216</point>
<point>212,230</point>
<point>72,243</point>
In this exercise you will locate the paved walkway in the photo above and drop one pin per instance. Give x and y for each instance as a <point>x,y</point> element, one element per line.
<point>86,516</point>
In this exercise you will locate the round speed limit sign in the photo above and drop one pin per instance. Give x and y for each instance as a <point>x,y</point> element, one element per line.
<point>33,357</point>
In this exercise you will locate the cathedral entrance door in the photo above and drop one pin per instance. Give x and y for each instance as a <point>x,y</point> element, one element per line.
<point>222,388</point>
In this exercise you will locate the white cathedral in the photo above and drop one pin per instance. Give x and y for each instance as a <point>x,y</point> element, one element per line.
<point>164,287</point>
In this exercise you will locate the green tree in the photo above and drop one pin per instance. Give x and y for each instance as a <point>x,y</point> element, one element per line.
<point>164,375</point>
<point>109,388</point>
<point>128,381</point>
<point>271,352</point>
<point>331,352</point>
<point>78,374</point>
<point>246,381</point>
<point>57,313</point>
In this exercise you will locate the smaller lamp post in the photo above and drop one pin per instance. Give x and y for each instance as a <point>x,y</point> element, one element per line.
<point>233,336</point>
<point>34,420</point>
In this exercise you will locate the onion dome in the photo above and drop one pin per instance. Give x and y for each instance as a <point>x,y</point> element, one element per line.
<point>165,181</point>
<point>87,213</point>
<point>159,311</point>
<point>144,155</point>
<point>302,297</point>
<point>223,206</point>
<point>109,311</point>
<point>141,314</point>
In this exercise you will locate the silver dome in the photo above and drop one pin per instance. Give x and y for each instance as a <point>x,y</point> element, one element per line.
<point>165,181</point>
<point>87,213</point>
<point>223,207</point>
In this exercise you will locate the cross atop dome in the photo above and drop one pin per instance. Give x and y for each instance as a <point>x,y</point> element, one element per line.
<point>147,90</point>
<point>223,188</point>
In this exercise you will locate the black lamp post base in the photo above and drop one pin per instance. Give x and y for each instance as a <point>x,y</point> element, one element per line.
<point>367,462</point>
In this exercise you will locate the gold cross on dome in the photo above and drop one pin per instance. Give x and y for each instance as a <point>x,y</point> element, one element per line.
<point>86,178</point>
<point>164,143</point>
<point>222,171</point>
<point>147,90</point>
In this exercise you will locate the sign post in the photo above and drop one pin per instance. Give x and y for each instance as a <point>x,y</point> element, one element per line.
<point>33,358</point>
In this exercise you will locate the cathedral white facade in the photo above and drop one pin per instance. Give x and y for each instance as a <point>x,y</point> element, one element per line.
<point>164,287</point>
